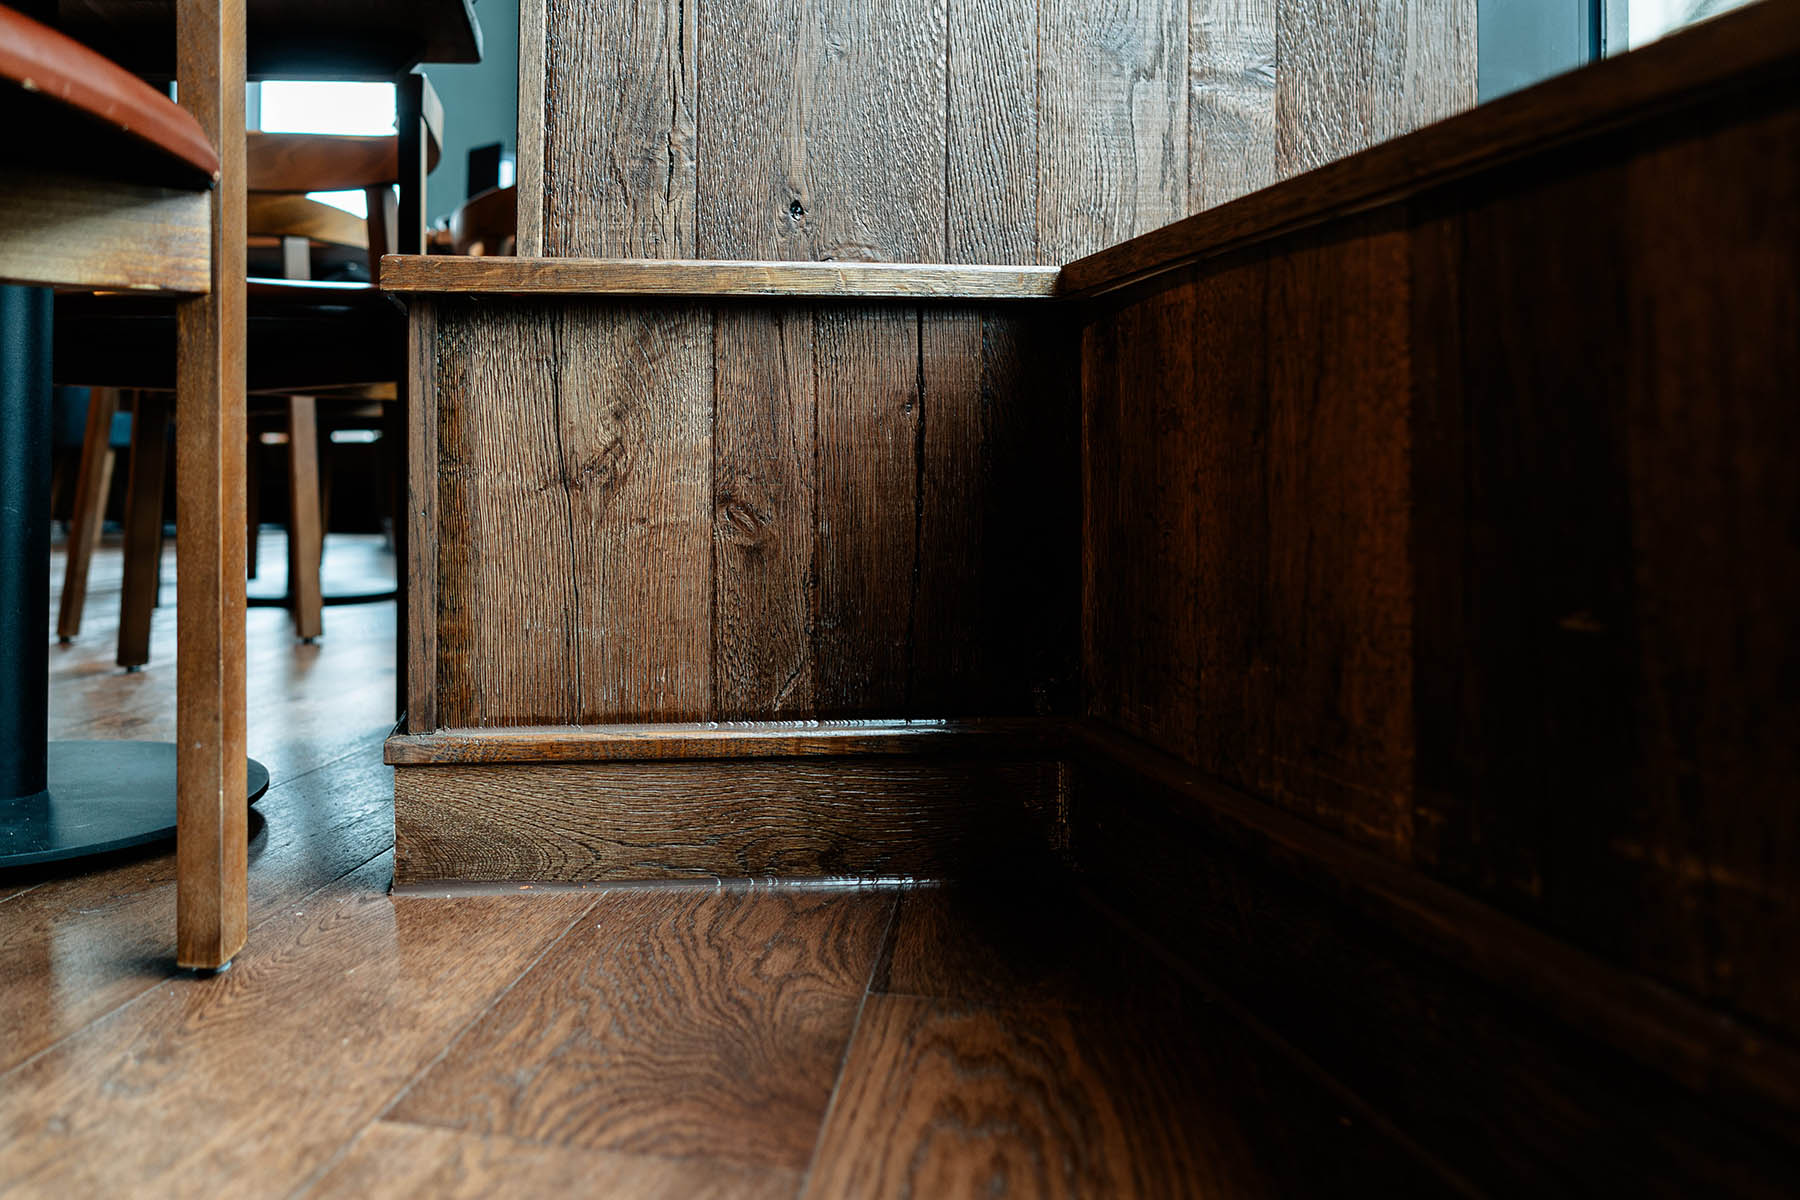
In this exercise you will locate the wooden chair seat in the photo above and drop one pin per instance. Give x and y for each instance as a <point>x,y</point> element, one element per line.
<point>54,79</point>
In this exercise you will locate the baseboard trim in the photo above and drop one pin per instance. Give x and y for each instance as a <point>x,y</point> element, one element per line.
<point>1022,737</point>
<point>1239,887</point>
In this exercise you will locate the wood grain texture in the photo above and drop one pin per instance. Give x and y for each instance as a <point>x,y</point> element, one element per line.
<point>215,1055</point>
<point>1599,760</point>
<point>756,103</point>
<point>619,172</point>
<point>765,513</point>
<point>419,649</point>
<point>842,816</point>
<point>530,139</point>
<point>766,520</point>
<point>209,519</point>
<point>753,1001</point>
<point>1112,126</point>
<point>634,438</point>
<point>713,277</point>
<point>948,1100</point>
<point>991,141</point>
<point>1407,992</point>
<point>1232,68</point>
<point>70,231</point>
<point>869,441</point>
<point>1755,43</point>
<point>392,1161</point>
<point>1021,737</point>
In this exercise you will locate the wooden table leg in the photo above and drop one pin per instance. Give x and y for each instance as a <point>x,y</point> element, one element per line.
<point>212,894</point>
<point>91,487</point>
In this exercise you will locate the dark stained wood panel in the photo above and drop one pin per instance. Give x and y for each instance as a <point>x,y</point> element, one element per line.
<point>619,150</point>
<point>740,1004</point>
<point>799,817</point>
<point>765,494</point>
<point>942,1099</point>
<point>1112,122</point>
<point>870,435</point>
<point>1475,1071</point>
<point>1339,583</point>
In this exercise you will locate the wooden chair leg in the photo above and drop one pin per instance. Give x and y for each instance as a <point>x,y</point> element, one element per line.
<point>143,527</point>
<point>212,846</point>
<point>252,503</point>
<point>92,484</point>
<point>306,533</point>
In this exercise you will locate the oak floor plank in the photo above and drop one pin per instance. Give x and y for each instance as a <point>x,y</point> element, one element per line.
<point>75,948</point>
<point>395,1161</point>
<point>946,1100</point>
<point>675,1023</point>
<point>1022,946</point>
<point>249,1082</point>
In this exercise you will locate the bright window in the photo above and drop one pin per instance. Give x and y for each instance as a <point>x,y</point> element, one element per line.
<point>344,108</point>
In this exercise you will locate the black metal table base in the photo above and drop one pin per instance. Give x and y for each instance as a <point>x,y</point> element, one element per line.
<point>103,797</point>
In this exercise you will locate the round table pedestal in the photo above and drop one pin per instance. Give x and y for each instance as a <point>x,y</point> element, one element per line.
<point>103,796</point>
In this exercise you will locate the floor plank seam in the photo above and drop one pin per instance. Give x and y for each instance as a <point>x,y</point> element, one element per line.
<point>177,974</point>
<point>883,949</point>
<point>462,1031</point>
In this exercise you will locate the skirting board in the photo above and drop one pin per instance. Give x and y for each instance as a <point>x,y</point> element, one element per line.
<point>864,799</point>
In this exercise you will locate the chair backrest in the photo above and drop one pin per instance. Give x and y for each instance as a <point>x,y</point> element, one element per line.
<point>487,224</point>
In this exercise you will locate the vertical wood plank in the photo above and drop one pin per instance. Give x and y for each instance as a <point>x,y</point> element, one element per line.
<point>991,176</point>
<point>634,426</point>
<point>765,495</point>
<point>823,128</point>
<point>1702,841</point>
<point>869,448</point>
<point>1231,100</point>
<point>948,665</point>
<point>756,86</point>
<point>1440,62</point>
<point>1113,128</point>
<point>508,590</point>
<point>529,143</point>
<point>1339,502</point>
<point>619,168</point>
<point>212,835</point>
<point>421,517</point>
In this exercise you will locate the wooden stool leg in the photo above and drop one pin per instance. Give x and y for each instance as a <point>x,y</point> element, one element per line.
<point>143,526</point>
<point>91,487</point>
<point>306,534</point>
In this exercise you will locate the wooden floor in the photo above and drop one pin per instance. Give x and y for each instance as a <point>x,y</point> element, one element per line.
<point>649,1041</point>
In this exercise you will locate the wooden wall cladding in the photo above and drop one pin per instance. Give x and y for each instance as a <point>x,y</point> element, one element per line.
<point>1014,131</point>
<point>881,817</point>
<point>1470,536</point>
<point>712,510</point>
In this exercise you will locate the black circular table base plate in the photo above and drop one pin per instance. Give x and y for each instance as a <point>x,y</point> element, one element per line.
<point>103,797</point>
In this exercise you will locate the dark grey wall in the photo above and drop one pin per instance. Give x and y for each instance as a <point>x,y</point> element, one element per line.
<point>481,104</point>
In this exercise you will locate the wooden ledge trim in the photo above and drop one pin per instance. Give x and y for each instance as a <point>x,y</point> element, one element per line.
<point>1738,49</point>
<point>1027,736</point>
<point>452,274</point>
<point>1701,1048</point>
